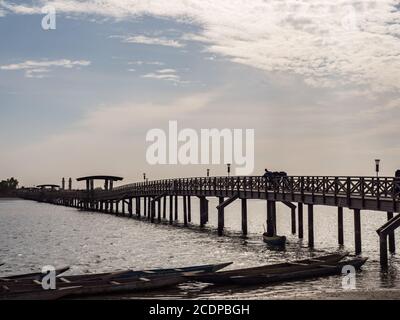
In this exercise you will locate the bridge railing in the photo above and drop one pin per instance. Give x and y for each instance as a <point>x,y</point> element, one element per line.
<point>363,187</point>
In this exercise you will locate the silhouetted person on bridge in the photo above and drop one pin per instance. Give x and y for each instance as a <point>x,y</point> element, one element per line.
<point>397,183</point>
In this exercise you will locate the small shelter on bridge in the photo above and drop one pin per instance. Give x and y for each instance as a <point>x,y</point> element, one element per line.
<point>48,186</point>
<point>108,181</point>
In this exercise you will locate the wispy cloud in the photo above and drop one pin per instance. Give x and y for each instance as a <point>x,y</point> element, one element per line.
<point>327,43</point>
<point>150,63</point>
<point>39,69</point>
<point>167,75</point>
<point>158,41</point>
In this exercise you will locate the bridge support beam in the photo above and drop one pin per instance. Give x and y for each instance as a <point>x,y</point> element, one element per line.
<point>392,241</point>
<point>311,225</point>
<point>185,216</point>
<point>137,206</point>
<point>293,214</point>
<point>159,209</point>
<point>244,217</point>
<point>165,207</point>
<point>189,204</point>
<point>145,206</point>
<point>203,211</point>
<point>340,226</point>
<point>176,208</point>
<point>300,219</point>
<point>171,209</point>
<point>383,250</point>
<point>150,210</point>
<point>357,230</point>
<point>271,218</point>
<point>221,217</point>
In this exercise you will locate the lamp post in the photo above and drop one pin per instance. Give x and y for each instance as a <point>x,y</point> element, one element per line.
<point>229,169</point>
<point>377,163</point>
<point>208,173</point>
<point>144,176</point>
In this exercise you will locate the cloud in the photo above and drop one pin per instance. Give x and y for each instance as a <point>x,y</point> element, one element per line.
<point>39,69</point>
<point>167,75</point>
<point>150,63</point>
<point>327,43</point>
<point>151,41</point>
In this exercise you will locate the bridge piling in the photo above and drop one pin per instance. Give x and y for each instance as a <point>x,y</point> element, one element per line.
<point>203,211</point>
<point>392,241</point>
<point>176,208</point>
<point>271,227</point>
<point>357,231</point>
<point>221,217</point>
<point>185,216</point>
<point>300,219</point>
<point>340,226</point>
<point>165,207</point>
<point>137,207</point>
<point>189,204</point>
<point>310,225</point>
<point>293,218</point>
<point>244,216</point>
<point>171,209</point>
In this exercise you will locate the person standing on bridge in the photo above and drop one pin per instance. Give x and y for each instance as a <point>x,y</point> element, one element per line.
<point>396,188</point>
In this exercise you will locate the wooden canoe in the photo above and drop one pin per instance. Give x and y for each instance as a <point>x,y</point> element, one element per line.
<point>31,276</point>
<point>315,272</point>
<point>103,283</point>
<point>271,268</point>
<point>130,274</point>
<point>293,273</point>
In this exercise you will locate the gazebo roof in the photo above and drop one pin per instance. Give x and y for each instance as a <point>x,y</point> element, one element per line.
<point>112,178</point>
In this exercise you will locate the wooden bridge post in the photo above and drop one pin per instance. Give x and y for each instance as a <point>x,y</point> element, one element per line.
<point>151,209</point>
<point>117,207</point>
<point>171,209</point>
<point>137,207</point>
<point>189,204</point>
<point>244,216</point>
<point>176,208</point>
<point>300,220</point>
<point>392,241</point>
<point>340,226</point>
<point>130,207</point>
<point>221,217</point>
<point>123,207</point>
<point>185,217</point>
<point>271,228</point>
<point>383,251</point>
<point>111,206</point>
<point>293,212</point>
<point>145,206</point>
<point>165,207</point>
<point>203,211</point>
<point>311,225</point>
<point>159,210</point>
<point>357,230</point>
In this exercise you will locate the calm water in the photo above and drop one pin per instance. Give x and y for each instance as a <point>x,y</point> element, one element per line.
<point>34,234</point>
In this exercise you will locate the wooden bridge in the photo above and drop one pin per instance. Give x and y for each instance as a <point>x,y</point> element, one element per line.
<point>149,199</point>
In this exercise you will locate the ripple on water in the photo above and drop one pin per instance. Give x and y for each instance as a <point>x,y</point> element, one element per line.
<point>33,235</point>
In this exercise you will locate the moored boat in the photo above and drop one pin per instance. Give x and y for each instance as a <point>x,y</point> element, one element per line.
<point>277,241</point>
<point>296,270</point>
<point>103,283</point>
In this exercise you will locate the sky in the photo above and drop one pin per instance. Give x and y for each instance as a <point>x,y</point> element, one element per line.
<point>318,81</point>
